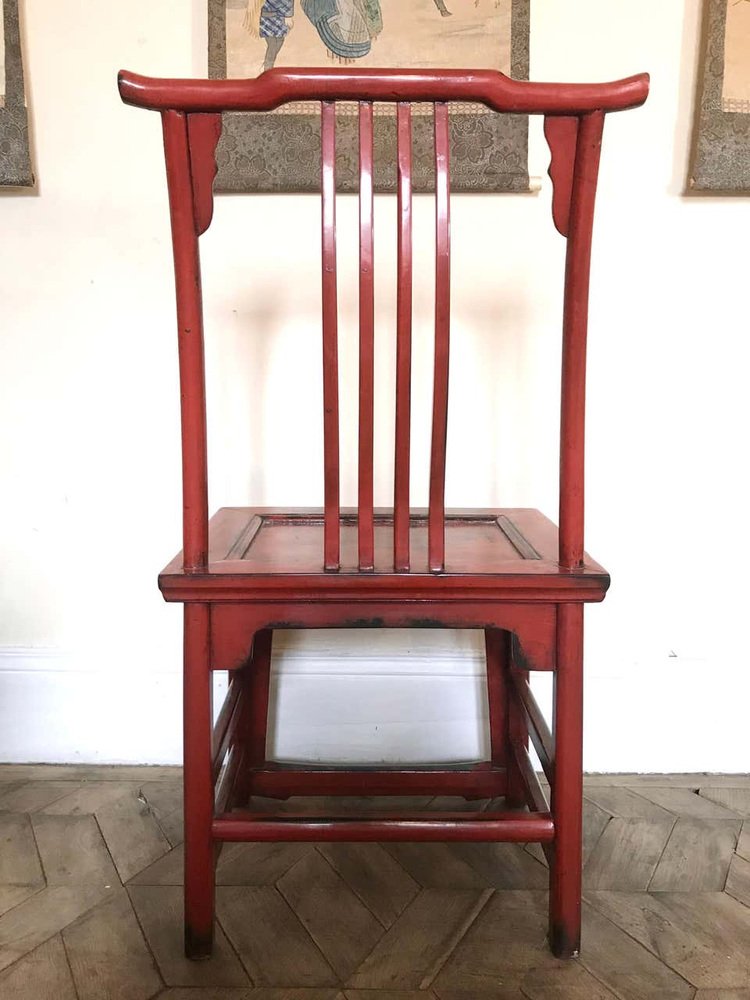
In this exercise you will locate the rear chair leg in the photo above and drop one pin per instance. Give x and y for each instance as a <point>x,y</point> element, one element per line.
<point>495,644</point>
<point>507,720</point>
<point>567,787</point>
<point>253,730</point>
<point>198,784</point>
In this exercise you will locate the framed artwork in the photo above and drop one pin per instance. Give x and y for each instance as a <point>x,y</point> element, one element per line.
<point>721,146</point>
<point>15,164</point>
<point>281,151</point>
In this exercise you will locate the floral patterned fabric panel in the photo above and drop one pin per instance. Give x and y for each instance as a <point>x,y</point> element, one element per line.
<point>15,163</point>
<point>280,151</point>
<point>721,143</point>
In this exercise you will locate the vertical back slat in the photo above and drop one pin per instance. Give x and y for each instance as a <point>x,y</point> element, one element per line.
<point>436,520</point>
<point>365,520</point>
<point>401,503</point>
<point>331,545</point>
<point>190,341</point>
<point>575,328</point>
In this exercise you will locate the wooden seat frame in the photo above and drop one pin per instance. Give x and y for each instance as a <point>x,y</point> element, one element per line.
<point>519,578</point>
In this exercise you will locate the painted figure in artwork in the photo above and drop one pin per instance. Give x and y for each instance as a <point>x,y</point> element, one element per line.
<point>347,28</point>
<point>440,4</point>
<point>270,20</point>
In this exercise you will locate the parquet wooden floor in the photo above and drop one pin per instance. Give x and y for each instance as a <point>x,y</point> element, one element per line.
<point>90,901</point>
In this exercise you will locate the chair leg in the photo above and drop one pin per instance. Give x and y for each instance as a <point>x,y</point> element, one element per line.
<point>567,788</point>
<point>254,723</point>
<point>507,721</point>
<point>518,733</point>
<point>497,695</point>
<point>258,688</point>
<point>198,785</point>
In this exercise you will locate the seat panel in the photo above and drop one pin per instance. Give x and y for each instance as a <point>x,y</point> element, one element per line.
<point>295,544</point>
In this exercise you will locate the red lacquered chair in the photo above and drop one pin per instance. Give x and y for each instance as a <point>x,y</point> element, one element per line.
<point>510,572</point>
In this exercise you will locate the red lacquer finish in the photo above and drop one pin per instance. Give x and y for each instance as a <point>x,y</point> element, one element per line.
<point>190,339</point>
<point>403,343</point>
<point>330,337</point>
<point>198,778</point>
<point>575,328</point>
<point>253,681</point>
<point>258,688</point>
<point>281,86</point>
<point>567,788</point>
<point>204,132</point>
<point>528,714</point>
<point>562,137</point>
<point>503,713</point>
<point>225,731</point>
<point>474,781</point>
<point>496,649</point>
<point>489,827</point>
<point>366,338</point>
<point>508,571</point>
<point>436,525</point>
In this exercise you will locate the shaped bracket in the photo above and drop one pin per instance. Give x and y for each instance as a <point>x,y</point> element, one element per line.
<point>204,131</point>
<point>561,132</point>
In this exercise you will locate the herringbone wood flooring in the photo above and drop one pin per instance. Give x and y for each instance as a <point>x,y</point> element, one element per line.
<point>90,901</point>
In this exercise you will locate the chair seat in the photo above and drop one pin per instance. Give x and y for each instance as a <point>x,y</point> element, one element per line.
<point>505,552</point>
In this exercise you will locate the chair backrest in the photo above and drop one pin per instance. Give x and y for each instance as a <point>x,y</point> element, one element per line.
<point>574,117</point>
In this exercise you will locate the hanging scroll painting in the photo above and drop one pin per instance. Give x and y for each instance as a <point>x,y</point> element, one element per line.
<point>15,165</point>
<point>721,147</point>
<point>280,151</point>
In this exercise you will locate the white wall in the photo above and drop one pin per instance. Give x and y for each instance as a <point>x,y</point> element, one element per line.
<point>89,655</point>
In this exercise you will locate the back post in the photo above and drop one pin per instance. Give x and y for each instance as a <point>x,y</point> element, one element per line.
<point>583,148</point>
<point>190,340</point>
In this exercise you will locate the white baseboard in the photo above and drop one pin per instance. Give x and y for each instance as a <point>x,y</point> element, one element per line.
<point>363,696</point>
<point>369,696</point>
<point>54,709</point>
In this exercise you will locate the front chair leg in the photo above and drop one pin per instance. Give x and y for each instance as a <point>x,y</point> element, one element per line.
<point>198,785</point>
<point>567,787</point>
